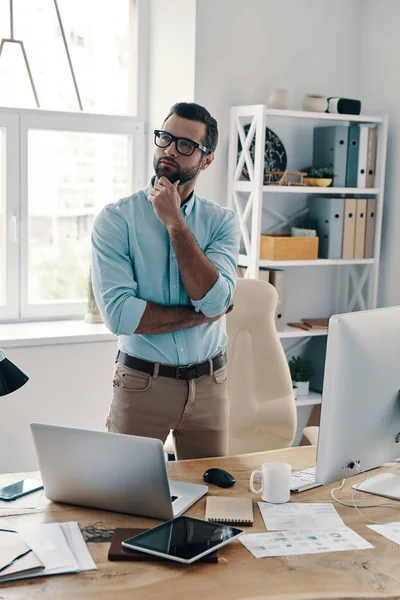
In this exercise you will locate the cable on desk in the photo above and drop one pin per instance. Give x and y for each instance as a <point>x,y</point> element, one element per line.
<point>354,505</point>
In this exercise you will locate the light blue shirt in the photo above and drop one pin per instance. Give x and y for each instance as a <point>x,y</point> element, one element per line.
<point>134,262</point>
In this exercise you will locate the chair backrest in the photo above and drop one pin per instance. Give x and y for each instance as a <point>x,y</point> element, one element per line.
<point>262,406</point>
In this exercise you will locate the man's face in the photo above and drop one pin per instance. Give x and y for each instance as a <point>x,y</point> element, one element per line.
<point>169,163</point>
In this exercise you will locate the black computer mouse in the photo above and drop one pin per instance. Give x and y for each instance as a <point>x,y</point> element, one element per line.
<point>219,477</point>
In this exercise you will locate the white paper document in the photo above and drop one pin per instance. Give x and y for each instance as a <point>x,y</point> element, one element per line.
<point>59,546</point>
<point>391,531</point>
<point>289,543</point>
<point>294,515</point>
<point>78,546</point>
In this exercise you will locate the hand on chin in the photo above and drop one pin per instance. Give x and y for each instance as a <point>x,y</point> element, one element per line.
<point>170,172</point>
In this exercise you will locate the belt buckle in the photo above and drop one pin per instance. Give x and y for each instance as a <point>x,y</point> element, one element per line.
<point>186,373</point>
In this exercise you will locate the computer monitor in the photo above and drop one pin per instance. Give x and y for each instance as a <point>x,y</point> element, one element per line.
<point>360,416</point>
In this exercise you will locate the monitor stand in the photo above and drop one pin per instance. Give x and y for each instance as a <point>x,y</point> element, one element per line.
<point>385,484</point>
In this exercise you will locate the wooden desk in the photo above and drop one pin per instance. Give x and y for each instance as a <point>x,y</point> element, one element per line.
<point>238,575</point>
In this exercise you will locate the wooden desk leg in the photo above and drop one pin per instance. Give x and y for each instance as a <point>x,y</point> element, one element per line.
<point>313,420</point>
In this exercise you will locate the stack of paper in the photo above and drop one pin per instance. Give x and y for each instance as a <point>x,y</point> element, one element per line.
<point>59,547</point>
<point>15,556</point>
<point>297,528</point>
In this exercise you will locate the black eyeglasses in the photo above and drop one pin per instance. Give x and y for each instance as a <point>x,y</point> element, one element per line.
<point>184,146</point>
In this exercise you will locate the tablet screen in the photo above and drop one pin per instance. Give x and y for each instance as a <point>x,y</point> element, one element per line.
<point>184,537</point>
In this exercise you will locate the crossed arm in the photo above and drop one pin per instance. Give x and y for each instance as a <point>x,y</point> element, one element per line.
<point>207,277</point>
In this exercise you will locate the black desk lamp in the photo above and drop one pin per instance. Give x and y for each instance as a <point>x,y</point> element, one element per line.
<point>11,377</point>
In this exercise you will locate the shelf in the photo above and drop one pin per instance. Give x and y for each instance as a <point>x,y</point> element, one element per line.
<point>247,186</point>
<point>293,332</point>
<point>312,399</point>
<point>320,262</point>
<point>299,114</point>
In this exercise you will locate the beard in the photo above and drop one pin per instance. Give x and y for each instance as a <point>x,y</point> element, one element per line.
<point>175,173</point>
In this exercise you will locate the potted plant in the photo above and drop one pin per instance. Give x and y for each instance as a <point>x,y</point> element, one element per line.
<point>93,314</point>
<point>301,372</point>
<point>319,177</point>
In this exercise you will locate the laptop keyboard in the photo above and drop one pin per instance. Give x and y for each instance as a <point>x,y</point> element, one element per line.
<point>303,480</point>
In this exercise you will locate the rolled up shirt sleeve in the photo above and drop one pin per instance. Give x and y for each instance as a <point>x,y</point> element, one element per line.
<point>223,253</point>
<point>113,280</point>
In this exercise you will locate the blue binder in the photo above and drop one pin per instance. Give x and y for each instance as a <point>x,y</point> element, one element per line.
<point>330,150</point>
<point>328,215</point>
<point>352,156</point>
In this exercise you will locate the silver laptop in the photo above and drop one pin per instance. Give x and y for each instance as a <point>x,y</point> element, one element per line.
<point>110,471</point>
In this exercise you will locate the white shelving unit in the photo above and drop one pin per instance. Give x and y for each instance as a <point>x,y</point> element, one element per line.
<point>312,398</point>
<point>357,283</point>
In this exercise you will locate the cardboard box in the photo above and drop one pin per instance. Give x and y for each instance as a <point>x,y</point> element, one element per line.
<point>284,247</point>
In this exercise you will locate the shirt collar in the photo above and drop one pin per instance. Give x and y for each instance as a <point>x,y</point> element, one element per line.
<point>186,209</point>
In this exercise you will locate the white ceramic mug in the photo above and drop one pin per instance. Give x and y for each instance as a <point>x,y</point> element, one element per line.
<point>275,482</point>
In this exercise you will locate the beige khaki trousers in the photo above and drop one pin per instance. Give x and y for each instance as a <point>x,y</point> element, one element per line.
<point>197,410</point>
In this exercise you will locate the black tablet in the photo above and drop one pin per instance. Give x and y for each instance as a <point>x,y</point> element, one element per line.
<point>184,539</point>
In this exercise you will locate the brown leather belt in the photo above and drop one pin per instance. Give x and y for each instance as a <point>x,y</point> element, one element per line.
<point>185,372</point>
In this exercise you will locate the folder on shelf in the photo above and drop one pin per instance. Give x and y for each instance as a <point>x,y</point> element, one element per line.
<point>328,214</point>
<point>371,157</point>
<point>330,150</point>
<point>361,219</point>
<point>277,279</point>
<point>349,228</point>
<point>370,228</point>
<point>352,156</point>
<point>362,155</point>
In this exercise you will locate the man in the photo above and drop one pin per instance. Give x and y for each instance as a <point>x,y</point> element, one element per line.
<point>164,273</point>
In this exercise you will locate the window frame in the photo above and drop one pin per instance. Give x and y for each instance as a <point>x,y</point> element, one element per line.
<point>18,124</point>
<point>10,230</point>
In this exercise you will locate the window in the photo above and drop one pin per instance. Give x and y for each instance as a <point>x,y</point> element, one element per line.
<point>9,207</point>
<point>59,165</point>
<point>71,176</point>
<point>100,39</point>
<point>57,172</point>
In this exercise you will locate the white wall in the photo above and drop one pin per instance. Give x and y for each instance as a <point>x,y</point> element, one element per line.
<point>70,384</point>
<point>172,43</point>
<point>245,48</point>
<point>380,92</point>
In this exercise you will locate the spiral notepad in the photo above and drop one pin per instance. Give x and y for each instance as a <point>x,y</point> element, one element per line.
<point>232,511</point>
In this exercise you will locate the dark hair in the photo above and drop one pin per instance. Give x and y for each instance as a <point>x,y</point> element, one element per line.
<point>195,112</point>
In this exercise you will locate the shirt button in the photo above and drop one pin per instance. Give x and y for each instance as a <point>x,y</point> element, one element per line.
<point>173,256</point>
<point>174,286</point>
<point>181,349</point>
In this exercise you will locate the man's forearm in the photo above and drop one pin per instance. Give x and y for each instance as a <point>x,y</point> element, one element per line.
<point>158,319</point>
<point>198,274</point>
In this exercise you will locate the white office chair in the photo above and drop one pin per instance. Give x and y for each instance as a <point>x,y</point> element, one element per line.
<point>311,434</point>
<point>262,405</point>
